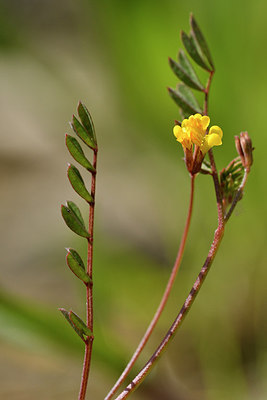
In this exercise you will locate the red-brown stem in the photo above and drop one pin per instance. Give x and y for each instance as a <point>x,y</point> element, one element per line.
<point>179,319</point>
<point>163,299</point>
<point>200,279</point>
<point>89,289</point>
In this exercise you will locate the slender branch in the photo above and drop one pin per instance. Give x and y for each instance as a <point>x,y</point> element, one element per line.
<point>163,299</point>
<point>238,195</point>
<point>89,289</point>
<point>179,319</point>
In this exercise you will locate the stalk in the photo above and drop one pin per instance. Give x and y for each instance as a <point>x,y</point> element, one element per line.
<point>89,290</point>
<point>164,298</point>
<point>179,319</point>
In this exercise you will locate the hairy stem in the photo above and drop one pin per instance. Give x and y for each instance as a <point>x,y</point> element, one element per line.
<point>89,289</point>
<point>179,319</point>
<point>163,299</point>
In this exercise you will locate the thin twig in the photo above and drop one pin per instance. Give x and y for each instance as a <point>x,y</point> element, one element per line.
<point>163,299</point>
<point>179,319</point>
<point>89,289</point>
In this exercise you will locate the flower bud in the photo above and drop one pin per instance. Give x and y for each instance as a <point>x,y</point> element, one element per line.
<point>244,149</point>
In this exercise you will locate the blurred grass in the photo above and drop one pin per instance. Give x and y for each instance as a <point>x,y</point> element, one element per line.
<point>113,55</point>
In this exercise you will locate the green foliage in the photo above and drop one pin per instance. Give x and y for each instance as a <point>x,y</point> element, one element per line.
<point>80,325</point>
<point>181,74</point>
<point>75,263</point>
<point>76,323</point>
<point>77,153</point>
<point>65,313</point>
<point>81,132</point>
<point>185,63</point>
<point>88,125</point>
<point>192,49</point>
<point>72,217</point>
<point>185,99</point>
<point>78,184</point>
<point>200,40</point>
<point>197,48</point>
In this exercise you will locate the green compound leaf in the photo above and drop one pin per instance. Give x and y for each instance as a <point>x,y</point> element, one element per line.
<point>82,133</point>
<point>77,183</point>
<point>189,96</point>
<point>184,101</point>
<point>191,46</point>
<point>66,315</point>
<point>186,65</point>
<point>76,265</point>
<point>183,75</point>
<point>80,325</point>
<point>72,216</point>
<point>75,209</point>
<point>77,153</point>
<point>198,35</point>
<point>87,122</point>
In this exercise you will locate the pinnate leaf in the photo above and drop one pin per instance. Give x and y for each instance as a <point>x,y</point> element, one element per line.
<point>75,263</point>
<point>77,153</point>
<point>87,121</point>
<point>189,96</point>
<point>66,315</point>
<point>82,132</point>
<point>75,209</point>
<point>184,101</point>
<point>77,183</point>
<point>186,65</point>
<point>73,218</point>
<point>181,74</point>
<point>198,35</point>
<point>192,49</point>
<point>78,322</point>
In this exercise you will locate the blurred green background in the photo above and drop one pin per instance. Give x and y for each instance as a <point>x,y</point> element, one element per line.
<point>113,56</point>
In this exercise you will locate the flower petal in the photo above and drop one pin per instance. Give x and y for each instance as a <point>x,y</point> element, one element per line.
<point>213,139</point>
<point>184,123</point>
<point>205,121</point>
<point>216,129</point>
<point>178,133</point>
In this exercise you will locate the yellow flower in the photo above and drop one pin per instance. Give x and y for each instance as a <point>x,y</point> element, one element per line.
<point>213,138</point>
<point>193,132</point>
